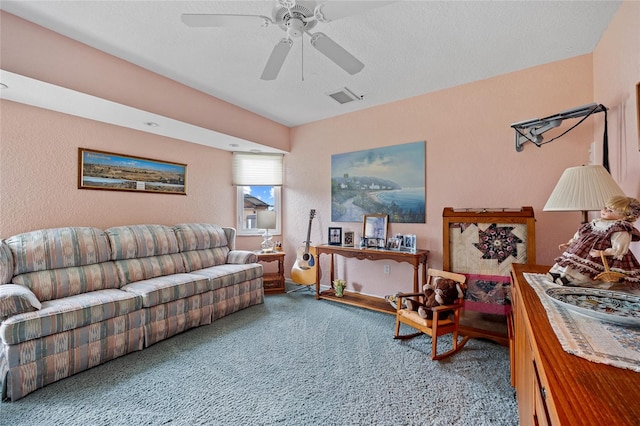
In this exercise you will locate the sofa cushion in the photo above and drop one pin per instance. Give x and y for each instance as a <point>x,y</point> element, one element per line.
<point>68,313</point>
<point>168,288</point>
<point>6,263</point>
<point>137,241</point>
<point>59,283</point>
<point>229,275</point>
<point>16,299</point>
<point>131,270</point>
<point>199,236</point>
<point>58,248</point>
<point>200,259</point>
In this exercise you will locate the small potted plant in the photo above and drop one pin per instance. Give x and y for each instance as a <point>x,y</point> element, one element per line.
<point>338,287</point>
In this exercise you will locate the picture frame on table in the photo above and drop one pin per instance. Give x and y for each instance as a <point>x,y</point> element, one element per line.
<point>408,243</point>
<point>348,239</point>
<point>335,236</point>
<point>374,226</point>
<point>393,244</point>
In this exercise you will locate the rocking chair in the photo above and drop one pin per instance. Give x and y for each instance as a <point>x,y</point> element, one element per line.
<point>446,318</point>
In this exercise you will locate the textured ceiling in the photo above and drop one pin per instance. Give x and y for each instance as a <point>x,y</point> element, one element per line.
<point>408,47</point>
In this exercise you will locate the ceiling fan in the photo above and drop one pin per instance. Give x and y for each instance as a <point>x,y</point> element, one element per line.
<point>295,18</point>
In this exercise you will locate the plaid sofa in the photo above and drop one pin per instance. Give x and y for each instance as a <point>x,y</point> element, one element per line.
<point>73,298</point>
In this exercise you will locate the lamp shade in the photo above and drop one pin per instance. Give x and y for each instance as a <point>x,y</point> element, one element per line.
<point>266,219</point>
<point>582,188</point>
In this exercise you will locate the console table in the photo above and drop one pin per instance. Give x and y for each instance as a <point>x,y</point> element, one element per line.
<point>417,258</point>
<point>554,387</point>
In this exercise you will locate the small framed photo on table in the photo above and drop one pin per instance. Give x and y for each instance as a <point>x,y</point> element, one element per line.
<point>348,239</point>
<point>335,236</point>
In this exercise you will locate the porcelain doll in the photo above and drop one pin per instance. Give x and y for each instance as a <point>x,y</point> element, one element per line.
<point>608,235</point>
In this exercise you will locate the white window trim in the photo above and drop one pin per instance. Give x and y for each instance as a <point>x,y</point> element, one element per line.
<point>240,230</point>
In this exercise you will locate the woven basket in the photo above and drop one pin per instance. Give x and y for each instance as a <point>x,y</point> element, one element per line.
<point>608,276</point>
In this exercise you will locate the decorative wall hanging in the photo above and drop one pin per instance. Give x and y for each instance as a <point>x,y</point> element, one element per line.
<point>389,180</point>
<point>117,172</point>
<point>482,244</point>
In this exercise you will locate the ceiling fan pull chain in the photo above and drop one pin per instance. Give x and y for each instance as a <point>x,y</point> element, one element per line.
<point>302,56</point>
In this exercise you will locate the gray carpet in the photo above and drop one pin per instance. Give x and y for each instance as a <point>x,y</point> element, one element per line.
<point>291,361</point>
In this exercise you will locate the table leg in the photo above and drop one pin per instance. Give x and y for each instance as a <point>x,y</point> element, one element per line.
<point>318,276</point>
<point>332,271</point>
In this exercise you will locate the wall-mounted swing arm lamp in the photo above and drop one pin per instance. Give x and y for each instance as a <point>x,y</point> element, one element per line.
<point>532,130</point>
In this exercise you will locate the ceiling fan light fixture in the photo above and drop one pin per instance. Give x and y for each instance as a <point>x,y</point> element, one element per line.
<point>295,27</point>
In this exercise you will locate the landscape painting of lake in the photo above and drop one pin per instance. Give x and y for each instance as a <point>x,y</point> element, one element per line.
<point>389,180</point>
<point>106,170</point>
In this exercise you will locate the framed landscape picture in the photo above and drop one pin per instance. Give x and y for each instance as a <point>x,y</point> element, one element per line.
<point>118,172</point>
<point>389,180</point>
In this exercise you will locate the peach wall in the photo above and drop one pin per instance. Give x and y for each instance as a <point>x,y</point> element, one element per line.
<point>471,159</point>
<point>36,52</point>
<point>38,175</point>
<point>616,65</point>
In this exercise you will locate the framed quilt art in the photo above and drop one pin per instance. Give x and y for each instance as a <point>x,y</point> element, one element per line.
<point>482,244</point>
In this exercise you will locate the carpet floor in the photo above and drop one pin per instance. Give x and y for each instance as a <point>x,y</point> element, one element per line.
<point>291,361</point>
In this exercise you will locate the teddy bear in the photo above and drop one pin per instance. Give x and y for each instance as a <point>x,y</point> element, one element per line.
<point>442,291</point>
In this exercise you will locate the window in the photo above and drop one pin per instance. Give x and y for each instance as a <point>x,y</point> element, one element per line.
<point>250,200</point>
<point>258,178</point>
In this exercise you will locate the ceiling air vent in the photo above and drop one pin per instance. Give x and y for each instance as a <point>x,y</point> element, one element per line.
<point>344,95</point>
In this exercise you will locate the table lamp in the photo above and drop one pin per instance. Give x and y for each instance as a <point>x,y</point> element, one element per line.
<point>582,188</point>
<point>266,219</point>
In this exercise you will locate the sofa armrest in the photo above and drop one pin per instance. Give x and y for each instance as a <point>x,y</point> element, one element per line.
<point>16,299</point>
<point>239,257</point>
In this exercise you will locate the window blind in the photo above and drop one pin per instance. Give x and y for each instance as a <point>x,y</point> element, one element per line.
<point>257,169</point>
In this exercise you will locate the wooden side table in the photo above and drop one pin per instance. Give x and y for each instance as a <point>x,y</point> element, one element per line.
<point>273,281</point>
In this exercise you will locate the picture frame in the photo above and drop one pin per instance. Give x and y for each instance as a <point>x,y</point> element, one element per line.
<point>408,243</point>
<point>638,110</point>
<point>374,226</point>
<point>118,172</point>
<point>394,244</point>
<point>335,236</point>
<point>392,190</point>
<point>348,239</point>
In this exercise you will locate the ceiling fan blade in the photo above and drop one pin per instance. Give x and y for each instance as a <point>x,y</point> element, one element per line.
<point>336,53</point>
<point>275,61</point>
<point>330,11</point>
<point>222,20</point>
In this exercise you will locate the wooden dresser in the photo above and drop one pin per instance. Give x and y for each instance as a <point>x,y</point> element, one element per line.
<point>557,388</point>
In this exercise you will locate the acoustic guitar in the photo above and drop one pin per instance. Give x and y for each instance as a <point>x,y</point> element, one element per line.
<point>304,270</point>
